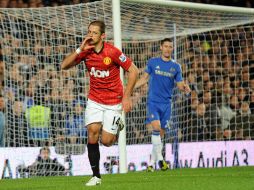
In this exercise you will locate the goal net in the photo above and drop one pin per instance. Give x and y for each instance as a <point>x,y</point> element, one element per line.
<point>44,106</point>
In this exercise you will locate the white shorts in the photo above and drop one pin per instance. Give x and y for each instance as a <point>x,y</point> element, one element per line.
<point>106,114</point>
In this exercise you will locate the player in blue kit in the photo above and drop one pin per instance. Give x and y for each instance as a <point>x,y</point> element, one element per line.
<point>162,73</point>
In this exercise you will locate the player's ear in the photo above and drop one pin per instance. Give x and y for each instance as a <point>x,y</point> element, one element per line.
<point>103,36</point>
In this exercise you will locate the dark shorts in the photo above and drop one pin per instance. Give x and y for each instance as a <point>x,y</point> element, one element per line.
<point>159,111</point>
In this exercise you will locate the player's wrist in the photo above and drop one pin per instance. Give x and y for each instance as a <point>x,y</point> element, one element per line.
<point>78,51</point>
<point>126,96</point>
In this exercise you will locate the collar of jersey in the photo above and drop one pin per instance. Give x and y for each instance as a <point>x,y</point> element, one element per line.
<point>100,49</point>
<point>166,61</point>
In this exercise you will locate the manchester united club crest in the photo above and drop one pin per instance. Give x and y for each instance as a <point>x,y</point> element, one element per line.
<point>107,60</point>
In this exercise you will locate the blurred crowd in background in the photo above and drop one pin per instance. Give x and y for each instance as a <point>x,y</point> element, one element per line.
<point>43,3</point>
<point>39,3</point>
<point>236,3</point>
<point>42,105</point>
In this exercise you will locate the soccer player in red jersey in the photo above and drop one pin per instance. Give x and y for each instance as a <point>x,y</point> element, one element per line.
<point>106,99</point>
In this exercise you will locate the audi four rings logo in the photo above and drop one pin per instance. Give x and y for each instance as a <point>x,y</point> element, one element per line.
<point>107,60</point>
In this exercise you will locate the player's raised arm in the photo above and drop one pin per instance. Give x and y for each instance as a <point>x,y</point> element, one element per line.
<point>132,78</point>
<point>70,60</point>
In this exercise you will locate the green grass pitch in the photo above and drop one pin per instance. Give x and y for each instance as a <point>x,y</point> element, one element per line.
<point>235,178</point>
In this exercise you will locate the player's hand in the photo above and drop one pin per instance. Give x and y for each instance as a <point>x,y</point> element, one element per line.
<point>187,89</point>
<point>127,104</point>
<point>86,45</point>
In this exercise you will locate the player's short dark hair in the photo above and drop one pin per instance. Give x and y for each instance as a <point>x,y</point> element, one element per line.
<point>166,40</point>
<point>99,23</point>
<point>45,148</point>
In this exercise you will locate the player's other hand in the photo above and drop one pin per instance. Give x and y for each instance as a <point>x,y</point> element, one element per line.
<point>86,44</point>
<point>187,89</point>
<point>127,104</point>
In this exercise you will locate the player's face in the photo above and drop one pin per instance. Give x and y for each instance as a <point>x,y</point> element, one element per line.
<point>44,154</point>
<point>95,34</point>
<point>167,49</point>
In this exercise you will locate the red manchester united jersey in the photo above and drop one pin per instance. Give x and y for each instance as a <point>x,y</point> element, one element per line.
<point>104,70</point>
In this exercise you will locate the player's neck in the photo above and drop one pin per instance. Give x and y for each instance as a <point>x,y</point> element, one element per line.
<point>98,47</point>
<point>165,58</point>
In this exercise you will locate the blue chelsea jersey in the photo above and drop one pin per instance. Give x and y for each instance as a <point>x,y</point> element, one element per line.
<point>163,75</point>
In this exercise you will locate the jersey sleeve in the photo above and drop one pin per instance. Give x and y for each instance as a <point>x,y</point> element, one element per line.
<point>178,76</point>
<point>148,68</point>
<point>81,56</point>
<point>121,59</point>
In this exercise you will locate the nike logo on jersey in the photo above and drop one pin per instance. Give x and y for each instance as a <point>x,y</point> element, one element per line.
<point>98,73</point>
